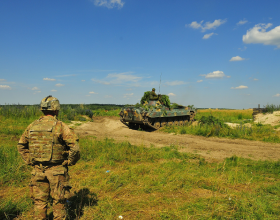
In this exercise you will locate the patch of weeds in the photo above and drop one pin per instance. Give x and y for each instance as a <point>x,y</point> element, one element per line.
<point>240,116</point>
<point>183,130</point>
<point>15,171</point>
<point>232,161</point>
<point>211,120</point>
<point>247,121</point>
<point>80,200</point>
<point>202,161</point>
<point>271,108</point>
<point>272,139</point>
<point>10,209</point>
<point>276,126</point>
<point>274,190</point>
<point>82,119</point>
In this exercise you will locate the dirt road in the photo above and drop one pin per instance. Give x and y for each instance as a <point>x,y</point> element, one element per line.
<point>213,149</point>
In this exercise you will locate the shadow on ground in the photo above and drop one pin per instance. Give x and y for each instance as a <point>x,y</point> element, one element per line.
<point>76,204</point>
<point>138,127</point>
<point>11,211</point>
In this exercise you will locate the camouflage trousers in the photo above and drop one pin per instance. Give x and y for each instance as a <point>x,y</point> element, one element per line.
<point>49,181</point>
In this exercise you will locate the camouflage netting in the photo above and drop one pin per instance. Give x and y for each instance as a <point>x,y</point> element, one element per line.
<point>145,98</point>
<point>162,98</point>
<point>165,100</point>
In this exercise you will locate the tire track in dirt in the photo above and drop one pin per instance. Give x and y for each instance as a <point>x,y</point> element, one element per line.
<point>215,149</point>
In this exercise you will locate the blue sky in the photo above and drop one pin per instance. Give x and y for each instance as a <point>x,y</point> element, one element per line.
<point>209,54</point>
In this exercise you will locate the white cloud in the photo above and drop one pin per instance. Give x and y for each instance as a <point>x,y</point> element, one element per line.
<point>237,58</point>
<point>53,90</point>
<point>5,87</point>
<point>126,76</point>
<point>171,94</point>
<point>83,80</point>
<point>101,82</point>
<point>118,78</point>
<point>107,96</point>
<point>59,84</point>
<point>259,35</point>
<point>207,26</point>
<point>241,22</point>
<point>1,80</point>
<point>48,79</point>
<point>93,93</point>
<point>36,92</point>
<point>215,74</point>
<point>206,36</point>
<point>87,95</point>
<point>129,79</point>
<point>128,95</point>
<point>277,95</point>
<point>255,79</point>
<point>199,81</point>
<point>195,25</point>
<point>109,3</point>
<point>240,87</point>
<point>35,88</point>
<point>175,83</point>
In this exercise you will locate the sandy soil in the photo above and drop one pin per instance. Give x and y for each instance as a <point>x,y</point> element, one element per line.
<point>234,125</point>
<point>213,149</point>
<point>272,119</point>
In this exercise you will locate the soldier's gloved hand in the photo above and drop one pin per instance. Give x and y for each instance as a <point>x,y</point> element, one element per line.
<point>65,162</point>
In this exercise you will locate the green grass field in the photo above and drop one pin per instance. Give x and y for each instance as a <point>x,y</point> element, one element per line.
<point>258,132</point>
<point>234,116</point>
<point>118,179</point>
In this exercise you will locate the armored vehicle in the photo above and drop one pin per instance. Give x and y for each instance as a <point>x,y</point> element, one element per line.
<point>156,114</point>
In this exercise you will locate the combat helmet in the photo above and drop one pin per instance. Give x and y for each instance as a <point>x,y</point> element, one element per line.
<point>153,89</point>
<point>50,104</point>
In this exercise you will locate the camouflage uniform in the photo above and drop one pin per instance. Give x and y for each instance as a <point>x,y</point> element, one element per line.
<point>153,95</point>
<point>48,145</point>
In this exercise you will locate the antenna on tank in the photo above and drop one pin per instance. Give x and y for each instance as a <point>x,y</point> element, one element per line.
<point>159,84</point>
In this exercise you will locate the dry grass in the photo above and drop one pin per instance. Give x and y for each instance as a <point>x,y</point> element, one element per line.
<point>226,115</point>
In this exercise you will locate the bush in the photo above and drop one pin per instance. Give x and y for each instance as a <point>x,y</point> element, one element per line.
<point>271,108</point>
<point>89,113</point>
<point>240,116</point>
<point>183,131</point>
<point>211,120</point>
<point>145,98</point>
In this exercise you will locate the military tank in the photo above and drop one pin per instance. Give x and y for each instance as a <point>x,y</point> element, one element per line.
<point>156,113</point>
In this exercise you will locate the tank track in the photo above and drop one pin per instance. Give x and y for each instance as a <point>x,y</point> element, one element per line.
<point>157,123</point>
<point>144,123</point>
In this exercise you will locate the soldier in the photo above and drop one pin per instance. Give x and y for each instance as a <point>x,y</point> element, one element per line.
<point>49,146</point>
<point>153,95</point>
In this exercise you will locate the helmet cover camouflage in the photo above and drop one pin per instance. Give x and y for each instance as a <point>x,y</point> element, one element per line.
<point>50,103</point>
<point>153,89</point>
